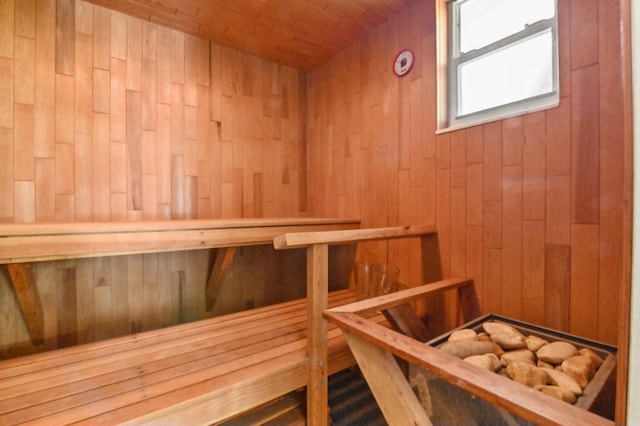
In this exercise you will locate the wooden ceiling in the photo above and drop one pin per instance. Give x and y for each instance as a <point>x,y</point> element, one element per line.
<point>300,33</point>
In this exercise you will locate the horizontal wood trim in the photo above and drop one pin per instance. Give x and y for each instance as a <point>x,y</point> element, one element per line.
<point>305,239</point>
<point>36,242</point>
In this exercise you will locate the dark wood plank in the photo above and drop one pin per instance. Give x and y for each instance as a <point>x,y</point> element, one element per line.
<point>557,288</point>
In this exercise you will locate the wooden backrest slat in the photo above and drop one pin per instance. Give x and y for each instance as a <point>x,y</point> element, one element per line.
<point>305,239</point>
<point>37,242</point>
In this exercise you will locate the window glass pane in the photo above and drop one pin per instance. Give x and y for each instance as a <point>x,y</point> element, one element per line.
<point>486,21</point>
<point>514,73</point>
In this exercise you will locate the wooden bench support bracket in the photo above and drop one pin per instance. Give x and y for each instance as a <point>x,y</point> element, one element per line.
<point>224,257</point>
<point>28,298</point>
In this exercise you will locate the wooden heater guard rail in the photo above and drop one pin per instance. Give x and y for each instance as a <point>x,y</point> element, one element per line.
<point>374,348</point>
<point>317,244</point>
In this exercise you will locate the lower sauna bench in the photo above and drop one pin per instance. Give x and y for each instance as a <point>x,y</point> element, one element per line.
<point>196,373</point>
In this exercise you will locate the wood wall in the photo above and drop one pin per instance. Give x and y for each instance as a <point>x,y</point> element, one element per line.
<point>531,207</point>
<point>105,117</point>
<point>108,117</point>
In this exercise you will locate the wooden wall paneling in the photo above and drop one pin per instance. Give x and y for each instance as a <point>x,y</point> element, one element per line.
<point>458,159</point>
<point>583,319</point>
<point>45,80</point>
<point>6,176</point>
<point>215,169</point>
<point>65,176</point>
<point>25,19</point>
<point>417,136</point>
<point>168,296</point>
<point>474,145</point>
<point>101,91</point>
<point>6,93</point>
<point>65,37</point>
<point>7,25</point>
<point>102,38</point>
<point>177,187</point>
<point>558,122</point>
<point>533,262</point>
<point>191,197</point>
<point>24,201</point>
<point>149,94</point>
<point>83,18</point>
<point>83,113</point>
<point>86,302</point>
<point>47,280</point>
<point>45,190</point>
<point>533,162</point>
<point>103,296</point>
<point>151,291</point>
<point>177,119</point>
<point>163,153</point>
<point>490,299</point>
<point>512,241</point>
<point>474,194</point>
<point>191,65</point>
<point>150,203</point>
<point>458,231</point>
<point>118,100</point>
<point>557,286</point>
<point>512,141</point>
<point>475,259</point>
<point>564,46</point>
<point>25,71</point>
<point>67,306</point>
<point>101,176</point>
<point>135,292</point>
<point>23,158</point>
<point>120,295</point>
<point>612,156</point>
<point>177,57</point>
<point>492,161</point>
<point>134,150</point>
<point>163,59</point>
<point>558,206</point>
<point>584,18</point>
<point>585,146</point>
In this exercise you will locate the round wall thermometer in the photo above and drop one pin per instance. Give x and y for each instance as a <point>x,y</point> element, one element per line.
<point>403,62</point>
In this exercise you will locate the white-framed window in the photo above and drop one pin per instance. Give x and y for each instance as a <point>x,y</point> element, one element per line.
<point>501,61</point>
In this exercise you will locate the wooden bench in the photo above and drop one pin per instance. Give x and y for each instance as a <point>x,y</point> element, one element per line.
<point>197,373</point>
<point>374,348</point>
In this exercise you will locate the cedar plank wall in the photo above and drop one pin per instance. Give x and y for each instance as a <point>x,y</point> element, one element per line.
<point>530,207</point>
<point>104,117</point>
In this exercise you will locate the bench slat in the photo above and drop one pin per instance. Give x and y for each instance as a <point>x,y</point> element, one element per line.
<point>141,373</point>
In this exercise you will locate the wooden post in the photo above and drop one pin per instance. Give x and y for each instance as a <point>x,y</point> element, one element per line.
<point>317,294</point>
<point>390,388</point>
<point>29,299</point>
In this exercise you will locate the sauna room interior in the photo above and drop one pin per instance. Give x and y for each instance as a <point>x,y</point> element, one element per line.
<point>121,118</point>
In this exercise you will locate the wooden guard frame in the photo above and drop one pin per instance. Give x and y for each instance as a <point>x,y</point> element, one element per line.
<point>373,346</point>
<point>317,289</point>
